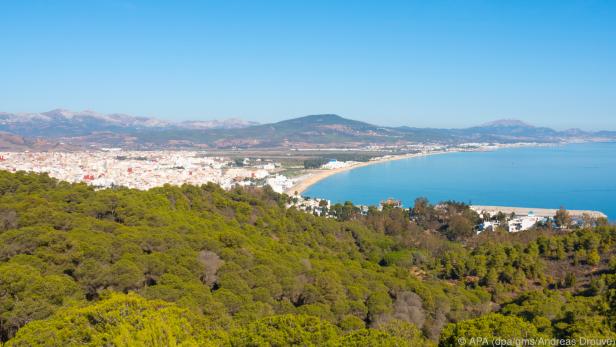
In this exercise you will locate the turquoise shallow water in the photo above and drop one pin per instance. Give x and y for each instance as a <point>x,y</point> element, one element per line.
<point>576,176</point>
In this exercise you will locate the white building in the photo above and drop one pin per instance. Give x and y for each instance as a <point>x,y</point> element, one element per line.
<point>488,225</point>
<point>335,164</point>
<point>280,183</point>
<point>523,223</point>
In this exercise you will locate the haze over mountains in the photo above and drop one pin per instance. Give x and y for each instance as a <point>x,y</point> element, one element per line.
<point>63,129</point>
<point>62,123</point>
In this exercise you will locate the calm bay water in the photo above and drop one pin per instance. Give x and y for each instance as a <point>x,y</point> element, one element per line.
<point>576,176</point>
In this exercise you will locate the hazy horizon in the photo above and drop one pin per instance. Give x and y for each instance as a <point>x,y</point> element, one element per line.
<point>444,64</point>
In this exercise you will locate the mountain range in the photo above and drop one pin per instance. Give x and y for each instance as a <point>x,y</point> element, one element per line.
<point>64,123</point>
<point>63,129</point>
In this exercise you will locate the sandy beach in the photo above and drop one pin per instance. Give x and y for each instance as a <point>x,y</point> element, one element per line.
<point>313,176</point>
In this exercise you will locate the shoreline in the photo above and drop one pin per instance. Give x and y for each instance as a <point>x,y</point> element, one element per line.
<point>312,177</point>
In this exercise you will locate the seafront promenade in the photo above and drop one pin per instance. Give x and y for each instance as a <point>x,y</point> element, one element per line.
<point>539,212</point>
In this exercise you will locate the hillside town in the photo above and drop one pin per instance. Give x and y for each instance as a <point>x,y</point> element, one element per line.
<point>146,169</point>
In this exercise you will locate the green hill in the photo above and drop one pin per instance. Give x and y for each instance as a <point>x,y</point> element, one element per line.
<point>202,266</point>
<point>315,130</point>
<point>329,130</point>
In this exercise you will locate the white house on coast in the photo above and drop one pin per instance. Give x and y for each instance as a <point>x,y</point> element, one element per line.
<point>515,221</point>
<point>335,164</point>
<point>523,223</point>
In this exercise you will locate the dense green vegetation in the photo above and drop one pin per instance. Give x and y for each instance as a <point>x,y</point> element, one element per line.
<point>191,266</point>
<point>315,163</point>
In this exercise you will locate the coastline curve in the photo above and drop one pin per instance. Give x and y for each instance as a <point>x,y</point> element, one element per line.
<point>312,177</point>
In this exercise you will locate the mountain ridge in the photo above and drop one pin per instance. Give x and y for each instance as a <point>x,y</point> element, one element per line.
<point>62,122</point>
<point>507,122</point>
<point>93,129</point>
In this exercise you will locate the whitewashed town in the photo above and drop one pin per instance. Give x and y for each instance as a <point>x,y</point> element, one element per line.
<point>146,169</point>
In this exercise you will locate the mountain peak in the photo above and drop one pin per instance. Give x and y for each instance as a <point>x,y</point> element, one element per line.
<point>324,122</point>
<point>321,118</point>
<point>508,123</point>
<point>59,112</point>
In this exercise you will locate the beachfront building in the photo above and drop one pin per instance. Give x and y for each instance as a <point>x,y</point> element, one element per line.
<point>514,219</point>
<point>488,225</point>
<point>523,223</point>
<point>280,183</point>
<point>335,164</point>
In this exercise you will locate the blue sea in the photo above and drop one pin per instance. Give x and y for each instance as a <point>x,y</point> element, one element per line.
<point>576,176</point>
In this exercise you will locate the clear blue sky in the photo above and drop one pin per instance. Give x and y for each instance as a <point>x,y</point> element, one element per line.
<point>417,63</point>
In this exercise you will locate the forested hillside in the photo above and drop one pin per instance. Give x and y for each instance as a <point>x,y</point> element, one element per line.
<point>193,266</point>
